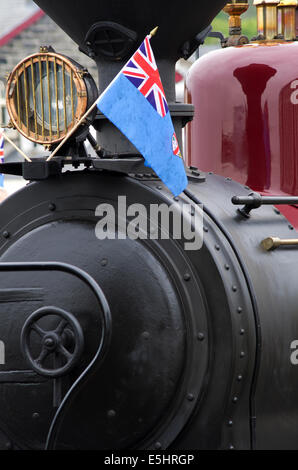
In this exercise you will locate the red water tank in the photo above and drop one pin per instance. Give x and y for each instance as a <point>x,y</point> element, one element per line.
<point>246,117</point>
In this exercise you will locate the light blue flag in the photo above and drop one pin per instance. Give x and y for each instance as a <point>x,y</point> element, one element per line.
<point>135,103</point>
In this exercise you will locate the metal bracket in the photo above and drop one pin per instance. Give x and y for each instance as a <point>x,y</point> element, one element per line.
<point>111,40</point>
<point>194,175</point>
<point>40,169</point>
<point>189,47</point>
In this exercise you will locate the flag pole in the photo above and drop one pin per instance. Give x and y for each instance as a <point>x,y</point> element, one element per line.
<point>72,131</point>
<point>15,146</point>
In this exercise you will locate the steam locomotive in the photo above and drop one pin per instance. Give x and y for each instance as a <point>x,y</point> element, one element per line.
<point>142,344</point>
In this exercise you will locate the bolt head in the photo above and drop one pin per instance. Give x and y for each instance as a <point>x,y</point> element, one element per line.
<point>201,336</point>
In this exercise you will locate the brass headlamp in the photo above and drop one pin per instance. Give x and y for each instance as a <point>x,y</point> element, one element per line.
<point>47,93</point>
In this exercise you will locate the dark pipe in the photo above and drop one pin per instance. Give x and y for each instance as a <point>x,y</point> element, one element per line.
<point>265,200</point>
<point>255,200</point>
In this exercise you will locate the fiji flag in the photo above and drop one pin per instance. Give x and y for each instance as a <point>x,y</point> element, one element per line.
<point>135,102</point>
<point>1,158</point>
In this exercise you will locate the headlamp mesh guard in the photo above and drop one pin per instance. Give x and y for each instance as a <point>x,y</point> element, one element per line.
<point>46,95</point>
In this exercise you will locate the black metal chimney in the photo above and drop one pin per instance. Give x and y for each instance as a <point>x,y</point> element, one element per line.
<point>110,31</point>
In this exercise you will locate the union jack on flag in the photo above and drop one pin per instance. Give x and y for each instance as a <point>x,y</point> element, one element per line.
<point>135,103</point>
<point>143,73</point>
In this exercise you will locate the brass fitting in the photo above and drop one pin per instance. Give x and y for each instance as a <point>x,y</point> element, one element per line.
<point>287,19</point>
<point>235,9</point>
<point>43,49</point>
<point>267,18</point>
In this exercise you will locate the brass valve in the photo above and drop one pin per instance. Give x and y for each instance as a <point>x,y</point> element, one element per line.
<point>235,9</point>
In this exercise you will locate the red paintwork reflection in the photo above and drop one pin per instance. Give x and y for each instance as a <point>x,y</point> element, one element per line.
<point>246,117</point>
<point>253,79</point>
